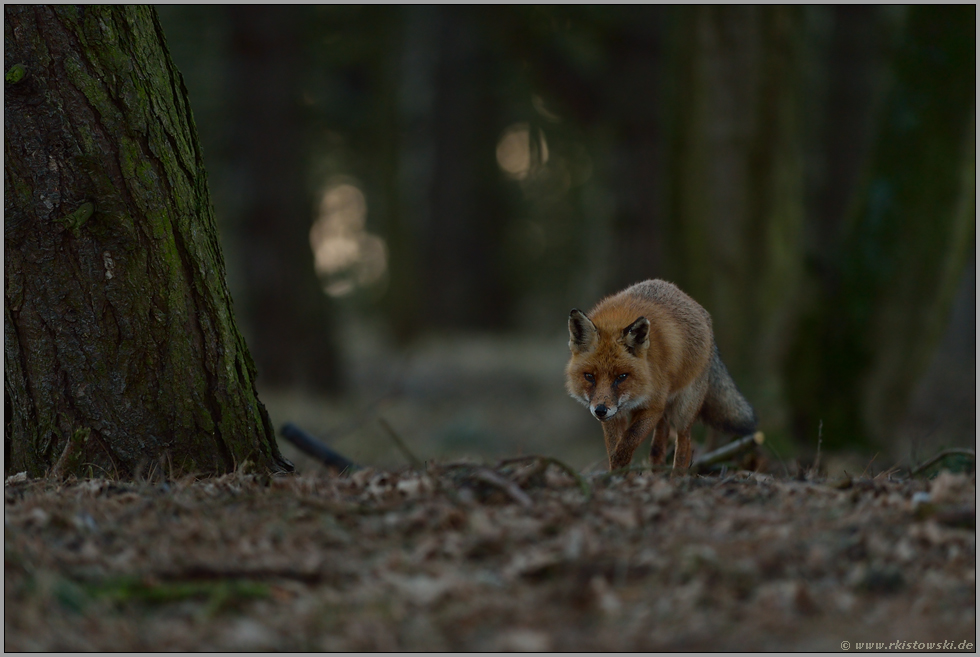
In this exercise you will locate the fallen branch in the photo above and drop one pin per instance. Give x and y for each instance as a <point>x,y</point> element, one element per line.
<point>547,460</point>
<point>955,451</point>
<point>729,451</point>
<point>488,476</point>
<point>535,468</point>
<point>313,447</point>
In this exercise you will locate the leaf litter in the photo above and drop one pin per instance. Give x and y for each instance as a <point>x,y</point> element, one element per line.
<point>526,555</point>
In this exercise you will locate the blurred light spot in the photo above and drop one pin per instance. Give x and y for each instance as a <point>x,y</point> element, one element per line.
<point>346,256</point>
<point>343,209</point>
<point>514,151</point>
<point>517,155</point>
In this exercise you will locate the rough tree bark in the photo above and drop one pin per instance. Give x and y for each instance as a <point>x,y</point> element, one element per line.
<point>120,345</point>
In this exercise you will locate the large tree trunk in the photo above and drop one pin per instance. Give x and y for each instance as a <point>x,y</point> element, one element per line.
<point>119,341</point>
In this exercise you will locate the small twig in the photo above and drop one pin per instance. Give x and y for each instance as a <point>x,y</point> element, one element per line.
<point>869,465</point>
<point>729,451</point>
<point>91,465</point>
<point>816,462</point>
<point>723,479</point>
<point>72,447</point>
<point>368,412</point>
<point>400,444</point>
<point>433,470</point>
<point>888,473</point>
<point>111,455</point>
<point>915,439</point>
<point>591,467</point>
<point>533,469</point>
<point>488,476</point>
<point>579,479</point>
<point>779,458</point>
<point>954,451</point>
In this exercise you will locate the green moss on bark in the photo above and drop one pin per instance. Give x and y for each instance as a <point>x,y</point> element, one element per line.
<point>15,74</point>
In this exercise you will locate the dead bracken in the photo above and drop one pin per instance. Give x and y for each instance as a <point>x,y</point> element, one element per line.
<point>524,555</point>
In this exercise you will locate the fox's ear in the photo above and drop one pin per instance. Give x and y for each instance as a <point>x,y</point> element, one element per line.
<point>582,334</point>
<point>636,336</point>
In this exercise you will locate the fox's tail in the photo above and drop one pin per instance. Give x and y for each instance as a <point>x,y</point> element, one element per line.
<point>725,408</point>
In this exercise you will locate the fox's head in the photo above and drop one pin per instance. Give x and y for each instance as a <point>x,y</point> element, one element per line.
<point>608,371</point>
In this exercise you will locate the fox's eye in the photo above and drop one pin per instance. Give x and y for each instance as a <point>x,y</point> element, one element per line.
<point>621,377</point>
<point>589,377</point>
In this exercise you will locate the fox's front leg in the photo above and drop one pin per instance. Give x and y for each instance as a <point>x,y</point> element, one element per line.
<point>612,432</point>
<point>658,446</point>
<point>623,448</point>
<point>682,452</point>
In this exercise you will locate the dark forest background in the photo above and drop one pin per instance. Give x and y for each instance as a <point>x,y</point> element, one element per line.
<point>409,194</point>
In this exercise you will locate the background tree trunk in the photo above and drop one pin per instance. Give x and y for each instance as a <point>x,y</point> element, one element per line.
<point>283,309</point>
<point>634,98</point>
<point>461,283</point>
<point>872,331</point>
<point>118,331</point>
<point>736,195</point>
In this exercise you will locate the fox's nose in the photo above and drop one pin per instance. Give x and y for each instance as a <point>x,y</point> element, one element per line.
<point>600,411</point>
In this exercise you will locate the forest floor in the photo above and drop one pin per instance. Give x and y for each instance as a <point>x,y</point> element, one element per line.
<point>461,556</point>
<point>486,555</point>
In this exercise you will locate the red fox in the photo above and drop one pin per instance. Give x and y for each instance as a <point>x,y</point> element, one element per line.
<point>645,360</point>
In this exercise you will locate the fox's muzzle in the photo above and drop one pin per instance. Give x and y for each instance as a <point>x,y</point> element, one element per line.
<point>602,412</point>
